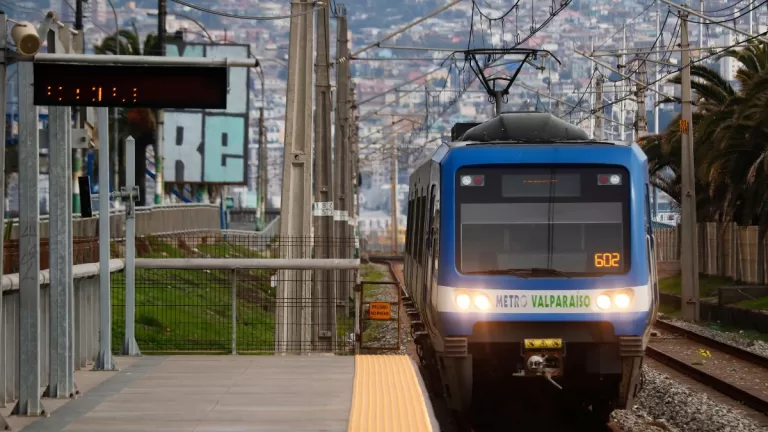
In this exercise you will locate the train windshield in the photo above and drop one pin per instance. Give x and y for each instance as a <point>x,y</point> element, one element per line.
<point>554,222</point>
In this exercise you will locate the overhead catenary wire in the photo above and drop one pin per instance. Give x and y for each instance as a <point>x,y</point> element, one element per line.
<point>733,18</point>
<point>692,62</point>
<point>248,17</point>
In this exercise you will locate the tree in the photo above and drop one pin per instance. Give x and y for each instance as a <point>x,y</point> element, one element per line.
<point>731,144</point>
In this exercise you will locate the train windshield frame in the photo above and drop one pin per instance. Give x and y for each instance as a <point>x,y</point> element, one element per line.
<point>572,221</point>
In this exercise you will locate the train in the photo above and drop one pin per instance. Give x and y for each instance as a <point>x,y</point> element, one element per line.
<point>529,263</point>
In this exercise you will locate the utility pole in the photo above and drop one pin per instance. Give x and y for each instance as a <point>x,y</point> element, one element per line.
<point>393,196</point>
<point>324,310</point>
<point>600,108</point>
<point>355,166</point>
<point>263,169</point>
<point>688,260</point>
<point>162,12</point>
<point>292,323</point>
<point>641,120</point>
<point>341,154</point>
<point>622,112</point>
<point>656,106</point>
<point>3,69</point>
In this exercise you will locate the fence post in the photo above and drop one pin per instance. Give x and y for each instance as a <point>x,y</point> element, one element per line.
<point>234,312</point>
<point>130,194</point>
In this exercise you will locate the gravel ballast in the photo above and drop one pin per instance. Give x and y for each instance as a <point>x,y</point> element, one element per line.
<point>665,404</point>
<point>756,346</point>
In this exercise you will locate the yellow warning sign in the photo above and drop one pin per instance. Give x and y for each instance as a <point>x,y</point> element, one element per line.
<point>543,343</point>
<point>380,311</point>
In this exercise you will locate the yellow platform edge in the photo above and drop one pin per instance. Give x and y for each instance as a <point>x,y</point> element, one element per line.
<point>388,395</point>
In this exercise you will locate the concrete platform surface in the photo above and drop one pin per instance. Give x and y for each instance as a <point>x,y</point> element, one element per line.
<point>214,393</point>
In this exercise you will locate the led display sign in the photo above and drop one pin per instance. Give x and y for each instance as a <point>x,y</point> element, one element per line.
<point>177,87</point>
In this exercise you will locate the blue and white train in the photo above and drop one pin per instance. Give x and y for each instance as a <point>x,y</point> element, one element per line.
<point>530,258</point>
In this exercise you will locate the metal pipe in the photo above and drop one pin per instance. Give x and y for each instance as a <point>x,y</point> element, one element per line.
<point>128,60</point>
<point>712,20</point>
<point>242,263</point>
<point>638,51</point>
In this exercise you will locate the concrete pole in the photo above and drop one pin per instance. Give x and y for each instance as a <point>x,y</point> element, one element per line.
<point>324,309</point>
<point>292,333</point>
<point>4,357</point>
<point>130,346</point>
<point>61,367</point>
<point>29,403</point>
<point>393,196</point>
<point>656,109</point>
<point>701,30</point>
<point>341,156</point>
<point>642,121</point>
<point>4,354</point>
<point>162,11</point>
<point>599,131</point>
<point>689,263</point>
<point>104,361</point>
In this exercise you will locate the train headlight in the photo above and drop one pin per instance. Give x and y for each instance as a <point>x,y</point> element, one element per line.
<point>482,302</point>
<point>463,301</point>
<point>615,299</point>
<point>603,301</point>
<point>622,300</point>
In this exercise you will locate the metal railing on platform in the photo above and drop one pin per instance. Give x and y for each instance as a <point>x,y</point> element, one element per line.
<point>227,292</point>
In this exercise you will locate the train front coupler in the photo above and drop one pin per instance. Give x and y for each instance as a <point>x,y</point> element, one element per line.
<point>545,358</point>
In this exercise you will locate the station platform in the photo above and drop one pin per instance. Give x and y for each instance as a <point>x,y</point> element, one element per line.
<point>367,393</point>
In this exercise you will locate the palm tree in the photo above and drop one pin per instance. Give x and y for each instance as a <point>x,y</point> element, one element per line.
<point>140,123</point>
<point>731,144</point>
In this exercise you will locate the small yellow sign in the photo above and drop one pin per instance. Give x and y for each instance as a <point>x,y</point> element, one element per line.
<point>380,311</point>
<point>543,343</point>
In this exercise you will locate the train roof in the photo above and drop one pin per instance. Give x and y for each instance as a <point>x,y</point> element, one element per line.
<point>526,128</point>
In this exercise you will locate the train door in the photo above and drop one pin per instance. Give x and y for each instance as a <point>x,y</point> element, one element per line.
<point>651,251</point>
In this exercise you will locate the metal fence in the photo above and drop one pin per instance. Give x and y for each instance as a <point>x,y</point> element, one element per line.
<point>233,292</point>
<point>724,250</point>
<point>86,331</point>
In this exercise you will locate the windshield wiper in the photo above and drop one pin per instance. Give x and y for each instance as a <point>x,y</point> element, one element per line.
<point>522,272</point>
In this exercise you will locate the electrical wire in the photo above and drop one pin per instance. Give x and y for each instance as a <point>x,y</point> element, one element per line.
<point>245,17</point>
<point>728,19</point>
<point>108,33</point>
<point>626,24</point>
<point>692,62</point>
<point>726,7</point>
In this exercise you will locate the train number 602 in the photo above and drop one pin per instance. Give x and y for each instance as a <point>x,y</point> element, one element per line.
<point>607,259</point>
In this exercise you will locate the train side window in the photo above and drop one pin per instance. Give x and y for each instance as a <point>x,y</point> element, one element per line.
<point>431,210</point>
<point>409,228</point>
<point>416,220</point>
<point>420,228</point>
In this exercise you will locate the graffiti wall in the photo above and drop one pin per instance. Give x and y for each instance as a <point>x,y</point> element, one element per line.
<point>210,146</point>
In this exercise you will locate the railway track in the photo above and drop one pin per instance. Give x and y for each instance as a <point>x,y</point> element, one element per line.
<point>737,373</point>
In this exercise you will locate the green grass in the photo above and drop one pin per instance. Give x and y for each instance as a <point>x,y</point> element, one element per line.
<point>757,304</point>
<point>708,285</point>
<point>190,310</point>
